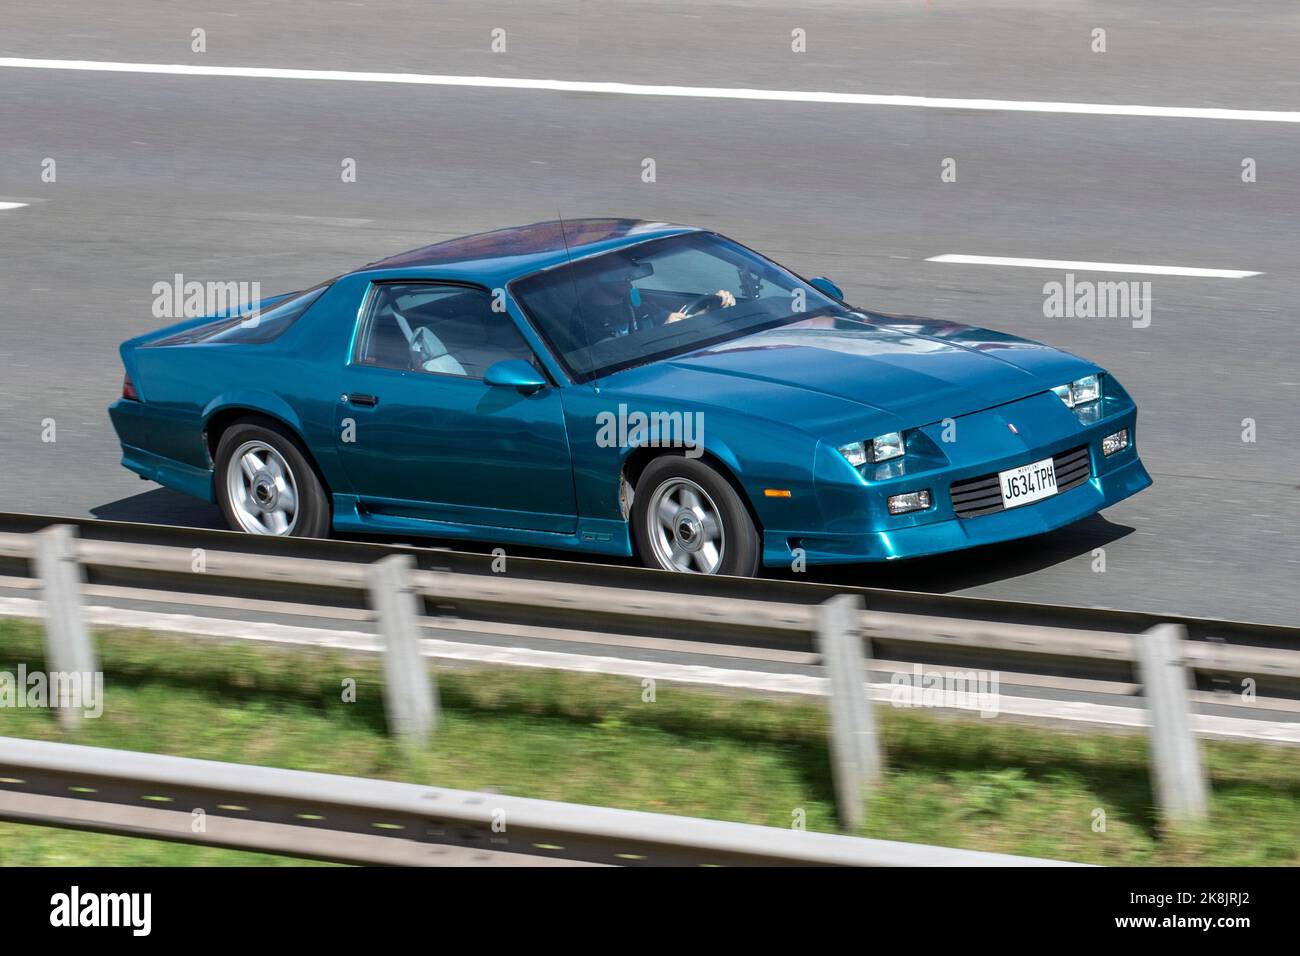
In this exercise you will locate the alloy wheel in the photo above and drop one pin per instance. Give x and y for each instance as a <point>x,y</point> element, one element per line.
<point>685,528</point>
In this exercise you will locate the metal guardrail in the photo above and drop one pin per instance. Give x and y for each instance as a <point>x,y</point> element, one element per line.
<point>355,820</point>
<point>1271,659</point>
<point>394,588</point>
<point>952,606</point>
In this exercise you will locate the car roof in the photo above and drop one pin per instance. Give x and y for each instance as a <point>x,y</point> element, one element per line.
<point>502,255</point>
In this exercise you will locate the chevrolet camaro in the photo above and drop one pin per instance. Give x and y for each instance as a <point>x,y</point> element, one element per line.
<point>621,387</point>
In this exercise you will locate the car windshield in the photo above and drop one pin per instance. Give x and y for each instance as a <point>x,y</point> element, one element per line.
<point>661,298</point>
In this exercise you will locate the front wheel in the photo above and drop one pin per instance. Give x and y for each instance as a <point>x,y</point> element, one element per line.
<point>265,485</point>
<point>687,517</point>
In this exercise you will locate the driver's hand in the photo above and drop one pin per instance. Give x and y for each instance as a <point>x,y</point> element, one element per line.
<point>726,299</point>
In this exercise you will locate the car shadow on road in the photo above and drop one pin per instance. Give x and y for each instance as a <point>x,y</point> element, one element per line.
<point>959,570</point>
<point>941,574</point>
<point>162,506</point>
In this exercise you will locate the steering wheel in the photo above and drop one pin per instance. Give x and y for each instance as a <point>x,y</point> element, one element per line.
<point>701,304</point>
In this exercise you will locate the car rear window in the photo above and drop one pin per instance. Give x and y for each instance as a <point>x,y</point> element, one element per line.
<point>250,330</point>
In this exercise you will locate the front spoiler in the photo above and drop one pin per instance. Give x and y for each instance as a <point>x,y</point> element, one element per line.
<point>1101,491</point>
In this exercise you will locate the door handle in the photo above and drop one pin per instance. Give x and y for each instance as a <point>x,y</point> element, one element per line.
<point>370,401</point>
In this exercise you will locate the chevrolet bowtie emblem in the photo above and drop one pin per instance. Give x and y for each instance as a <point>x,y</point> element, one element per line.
<point>1014,429</point>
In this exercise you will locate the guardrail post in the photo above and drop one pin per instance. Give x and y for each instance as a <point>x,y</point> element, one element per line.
<point>855,748</point>
<point>410,694</point>
<point>1180,788</point>
<point>68,647</point>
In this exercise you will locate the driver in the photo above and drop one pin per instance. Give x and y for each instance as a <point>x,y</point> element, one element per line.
<point>605,306</point>
<point>608,304</point>
<point>726,300</point>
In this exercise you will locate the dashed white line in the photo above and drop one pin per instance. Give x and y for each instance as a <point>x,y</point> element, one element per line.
<point>1068,264</point>
<point>642,89</point>
<point>4,206</point>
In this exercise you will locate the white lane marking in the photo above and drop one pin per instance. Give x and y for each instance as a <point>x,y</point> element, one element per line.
<point>1092,266</point>
<point>642,89</point>
<point>4,206</point>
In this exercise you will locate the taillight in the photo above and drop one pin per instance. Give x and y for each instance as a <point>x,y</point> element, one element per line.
<point>128,390</point>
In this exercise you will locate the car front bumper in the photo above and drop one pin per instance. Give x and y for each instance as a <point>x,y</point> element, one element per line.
<point>857,527</point>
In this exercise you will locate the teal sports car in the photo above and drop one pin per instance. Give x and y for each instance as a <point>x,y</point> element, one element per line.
<point>619,387</point>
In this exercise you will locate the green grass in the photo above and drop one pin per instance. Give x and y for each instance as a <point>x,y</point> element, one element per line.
<point>588,739</point>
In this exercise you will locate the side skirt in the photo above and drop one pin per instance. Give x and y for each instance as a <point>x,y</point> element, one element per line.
<point>594,535</point>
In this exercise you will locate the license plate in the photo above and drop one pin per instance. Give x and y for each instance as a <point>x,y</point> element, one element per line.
<point>1031,482</point>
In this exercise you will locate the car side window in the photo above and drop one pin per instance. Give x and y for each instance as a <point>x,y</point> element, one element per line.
<point>440,329</point>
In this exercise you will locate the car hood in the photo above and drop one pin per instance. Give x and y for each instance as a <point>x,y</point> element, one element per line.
<point>824,373</point>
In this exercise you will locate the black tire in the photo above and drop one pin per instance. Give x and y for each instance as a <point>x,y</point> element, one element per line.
<point>740,549</point>
<point>311,514</point>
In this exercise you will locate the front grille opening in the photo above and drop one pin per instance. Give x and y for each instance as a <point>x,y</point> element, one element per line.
<point>983,495</point>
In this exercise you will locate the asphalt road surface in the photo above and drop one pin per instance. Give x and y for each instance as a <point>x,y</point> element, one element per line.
<point>239,178</point>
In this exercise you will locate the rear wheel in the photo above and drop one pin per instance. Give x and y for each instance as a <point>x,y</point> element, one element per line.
<point>687,517</point>
<point>265,485</point>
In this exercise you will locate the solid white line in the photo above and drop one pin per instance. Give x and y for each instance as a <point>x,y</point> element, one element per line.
<point>1092,266</point>
<point>4,206</point>
<point>641,89</point>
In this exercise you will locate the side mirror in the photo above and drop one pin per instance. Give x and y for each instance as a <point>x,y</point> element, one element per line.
<point>515,373</point>
<point>823,284</point>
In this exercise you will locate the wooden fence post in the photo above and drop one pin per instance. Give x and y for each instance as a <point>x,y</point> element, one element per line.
<point>70,653</point>
<point>856,762</point>
<point>1179,779</point>
<point>410,694</point>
